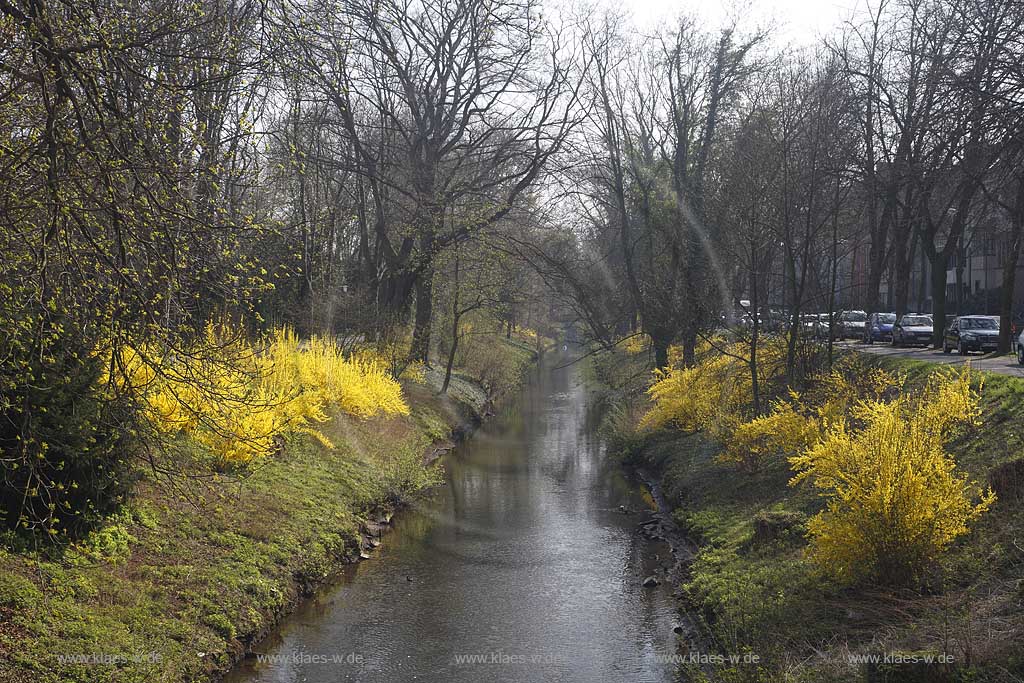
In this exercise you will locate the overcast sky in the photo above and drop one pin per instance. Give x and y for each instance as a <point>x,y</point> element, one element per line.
<point>797,21</point>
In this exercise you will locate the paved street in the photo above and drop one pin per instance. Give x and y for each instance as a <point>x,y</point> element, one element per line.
<point>1003,365</point>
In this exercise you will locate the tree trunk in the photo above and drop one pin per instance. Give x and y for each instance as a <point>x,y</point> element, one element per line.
<point>660,344</point>
<point>904,262</point>
<point>833,279</point>
<point>755,306</point>
<point>420,349</point>
<point>1006,304</point>
<point>451,353</point>
<point>689,348</point>
<point>958,296</point>
<point>422,260</point>
<point>795,328</point>
<point>456,314</point>
<point>1010,272</point>
<point>876,267</point>
<point>939,264</point>
<point>922,288</point>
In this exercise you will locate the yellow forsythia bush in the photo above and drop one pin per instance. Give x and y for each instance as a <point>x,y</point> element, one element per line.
<point>637,343</point>
<point>713,395</point>
<point>783,431</point>
<point>895,498</point>
<point>834,394</point>
<point>526,334</point>
<point>695,398</point>
<point>235,401</point>
<point>322,376</point>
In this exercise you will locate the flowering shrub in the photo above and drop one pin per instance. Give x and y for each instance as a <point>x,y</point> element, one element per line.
<point>714,394</point>
<point>237,401</point>
<point>359,385</point>
<point>696,398</point>
<point>415,371</point>
<point>637,343</point>
<point>895,499</point>
<point>526,334</point>
<point>783,431</point>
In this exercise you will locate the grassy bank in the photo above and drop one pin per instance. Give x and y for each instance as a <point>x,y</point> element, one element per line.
<point>755,592</point>
<point>184,578</point>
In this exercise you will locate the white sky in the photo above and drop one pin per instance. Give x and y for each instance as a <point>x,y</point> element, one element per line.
<point>799,22</point>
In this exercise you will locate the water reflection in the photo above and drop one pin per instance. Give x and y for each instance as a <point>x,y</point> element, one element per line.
<point>520,569</point>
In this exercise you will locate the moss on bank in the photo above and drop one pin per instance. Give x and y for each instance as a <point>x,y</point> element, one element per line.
<point>755,593</point>
<point>182,580</point>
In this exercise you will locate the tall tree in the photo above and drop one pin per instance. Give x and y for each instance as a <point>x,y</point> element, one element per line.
<point>450,105</point>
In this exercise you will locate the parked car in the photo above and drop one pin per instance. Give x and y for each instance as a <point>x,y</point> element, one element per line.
<point>851,324</point>
<point>820,326</point>
<point>971,333</point>
<point>821,330</point>
<point>808,324</point>
<point>879,327</point>
<point>777,320</point>
<point>912,329</point>
<point>1020,349</point>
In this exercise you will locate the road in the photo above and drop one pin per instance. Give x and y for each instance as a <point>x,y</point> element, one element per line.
<point>1001,365</point>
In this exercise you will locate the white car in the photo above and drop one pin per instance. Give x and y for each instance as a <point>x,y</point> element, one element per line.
<point>1020,349</point>
<point>851,324</point>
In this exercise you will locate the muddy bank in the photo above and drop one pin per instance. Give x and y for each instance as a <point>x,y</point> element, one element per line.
<point>660,525</point>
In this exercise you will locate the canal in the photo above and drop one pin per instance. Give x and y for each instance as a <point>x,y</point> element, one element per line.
<point>522,567</point>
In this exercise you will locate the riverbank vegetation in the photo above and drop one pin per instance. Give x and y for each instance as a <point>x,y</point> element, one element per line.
<point>222,239</point>
<point>872,509</point>
<point>207,235</point>
<point>237,236</point>
<point>249,394</point>
<point>186,574</point>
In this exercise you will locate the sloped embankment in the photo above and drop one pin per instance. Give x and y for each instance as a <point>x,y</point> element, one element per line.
<point>187,577</point>
<point>753,591</point>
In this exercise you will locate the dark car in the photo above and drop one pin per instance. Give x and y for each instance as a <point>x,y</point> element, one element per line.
<point>912,329</point>
<point>879,327</point>
<point>972,333</point>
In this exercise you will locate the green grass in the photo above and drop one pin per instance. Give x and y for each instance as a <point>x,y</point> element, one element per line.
<point>184,578</point>
<point>763,596</point>
<point>196,583</point>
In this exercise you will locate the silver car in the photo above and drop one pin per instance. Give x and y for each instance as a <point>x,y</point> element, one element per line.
<point>912,329</point>
<point>851,324</point>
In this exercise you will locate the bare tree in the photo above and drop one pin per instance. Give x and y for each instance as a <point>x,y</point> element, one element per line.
<point>466,101</point>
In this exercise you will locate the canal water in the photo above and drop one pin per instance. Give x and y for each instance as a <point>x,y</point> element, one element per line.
<point>522,567</point>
